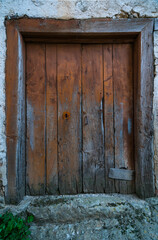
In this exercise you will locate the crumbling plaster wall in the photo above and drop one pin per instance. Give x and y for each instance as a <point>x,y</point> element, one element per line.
<point>68,9</point>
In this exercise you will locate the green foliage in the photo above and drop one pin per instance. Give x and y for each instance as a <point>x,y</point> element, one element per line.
<point>14,228</point>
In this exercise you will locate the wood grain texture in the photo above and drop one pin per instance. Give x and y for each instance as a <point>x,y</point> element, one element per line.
<point>145,185</point>
<point>122,174</point>
<point>123,111</point>
<point>15,112</point>
<point>156,24</point>
<point>11,111</point>
<point>51,120</point>
<point>143,83</point>
<point>35,148</point>
<point>69,128</point>
<point>93,130</point>
<point>21,120</point>
<point>34,27</point>
<point>81,39</point>
<point>108,116</point>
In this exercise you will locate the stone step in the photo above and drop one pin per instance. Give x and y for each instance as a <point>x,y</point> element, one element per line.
<point>70,209</point>
<point>90,216</point>
<point>105,229</point>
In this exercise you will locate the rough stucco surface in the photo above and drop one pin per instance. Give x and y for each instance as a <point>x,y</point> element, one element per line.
<point>65,10</point>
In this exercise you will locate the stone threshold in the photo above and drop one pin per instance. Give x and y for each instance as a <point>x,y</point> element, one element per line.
<point>90,216</point>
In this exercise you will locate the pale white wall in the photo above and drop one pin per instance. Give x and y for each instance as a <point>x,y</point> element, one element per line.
<point>66,9</point>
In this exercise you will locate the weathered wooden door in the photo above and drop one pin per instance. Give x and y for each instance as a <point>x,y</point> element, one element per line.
<point>79,100</point>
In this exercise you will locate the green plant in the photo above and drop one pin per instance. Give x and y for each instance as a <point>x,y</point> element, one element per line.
<point>14,227</point>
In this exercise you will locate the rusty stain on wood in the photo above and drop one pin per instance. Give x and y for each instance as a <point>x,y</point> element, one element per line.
<point>66,115</point>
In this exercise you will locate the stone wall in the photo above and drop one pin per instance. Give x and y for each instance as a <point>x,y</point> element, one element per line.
<point>68,9</point>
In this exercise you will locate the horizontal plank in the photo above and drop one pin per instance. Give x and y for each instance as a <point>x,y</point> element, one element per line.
<point>122,174</point>
<point>87,39</point>
<point>29,26</point>
<point>156,24</point>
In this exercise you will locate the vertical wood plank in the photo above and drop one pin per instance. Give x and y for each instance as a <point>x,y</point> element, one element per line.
<point>15,115</point>
<point>123,112</point>
<point>69,117</point>
<point>51,120</point>
<point>21,177</point>
<point>144,76</point>
<point>35,119</point>
<point>108,117</point>
<point>93,129</point>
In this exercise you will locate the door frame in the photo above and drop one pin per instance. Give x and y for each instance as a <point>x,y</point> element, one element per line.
<point>139,31</point>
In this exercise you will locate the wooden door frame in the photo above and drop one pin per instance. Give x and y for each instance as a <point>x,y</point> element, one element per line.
<point>91,30</point>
